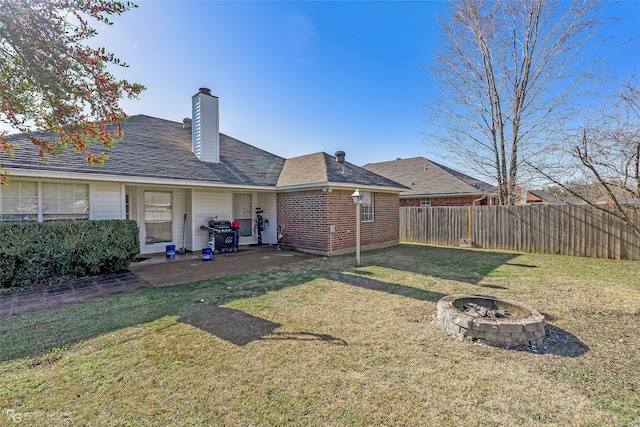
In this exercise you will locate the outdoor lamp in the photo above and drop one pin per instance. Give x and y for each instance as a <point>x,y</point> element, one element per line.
<point>357,199</point>
<point>357,196</point>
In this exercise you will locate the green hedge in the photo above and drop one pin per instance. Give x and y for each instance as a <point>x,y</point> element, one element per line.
<point>32,252</point>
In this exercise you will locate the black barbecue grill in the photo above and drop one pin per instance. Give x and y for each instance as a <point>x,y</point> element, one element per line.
<point>223,236</point>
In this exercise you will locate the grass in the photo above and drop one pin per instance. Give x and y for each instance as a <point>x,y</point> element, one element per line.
<point>326,343</point>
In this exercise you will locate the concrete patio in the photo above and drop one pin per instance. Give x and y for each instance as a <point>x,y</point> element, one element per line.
<point>149,272</point>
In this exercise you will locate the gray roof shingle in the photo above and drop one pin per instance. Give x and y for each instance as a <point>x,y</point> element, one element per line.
<point>426,178</point>
<point>161,149</point>
<point>158,148</point>
<point>322,168</point>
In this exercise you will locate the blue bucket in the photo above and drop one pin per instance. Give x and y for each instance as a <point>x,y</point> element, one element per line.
<point>206,254</point>
<point>171,251</point>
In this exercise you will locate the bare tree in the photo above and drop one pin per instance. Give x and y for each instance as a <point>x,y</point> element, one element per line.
<point>508,76</point>
<point>607,154</point>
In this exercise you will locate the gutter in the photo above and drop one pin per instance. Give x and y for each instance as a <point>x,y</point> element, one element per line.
<point>129,180</point>
<point>337,185</point>
<point>431,195</point>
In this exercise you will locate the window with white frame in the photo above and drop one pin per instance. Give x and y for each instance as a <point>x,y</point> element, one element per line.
<point>243,213</point>
<point>425,202</point>
<point>65,201</point>
<point>19,201</point>
<point>158,217</point>
<point>366,209</point>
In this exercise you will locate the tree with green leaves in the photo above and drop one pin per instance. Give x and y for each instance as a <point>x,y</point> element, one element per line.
<point>509,78</point>
<point>52,81</point>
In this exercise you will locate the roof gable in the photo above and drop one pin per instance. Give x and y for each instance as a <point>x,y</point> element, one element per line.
<point>323,169</point>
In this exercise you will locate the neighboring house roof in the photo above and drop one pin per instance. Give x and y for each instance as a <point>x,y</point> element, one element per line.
<point>538,196</point>
<point>323,169</point>
<point>429,179</point>
<point>541,196</point>
<point>159,151</point>
<point>626,201</point>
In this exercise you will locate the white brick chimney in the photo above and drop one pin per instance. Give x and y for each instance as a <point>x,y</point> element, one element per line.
<point>205,136</point>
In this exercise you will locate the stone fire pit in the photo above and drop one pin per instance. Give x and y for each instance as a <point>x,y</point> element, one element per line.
<point>491,321</point>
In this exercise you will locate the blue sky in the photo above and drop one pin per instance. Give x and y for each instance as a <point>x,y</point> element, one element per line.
<point>295,78</point>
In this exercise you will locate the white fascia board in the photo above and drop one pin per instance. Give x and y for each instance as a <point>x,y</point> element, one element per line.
<point>133,180</point>
<point>414,196</point>
<point>340,185</point>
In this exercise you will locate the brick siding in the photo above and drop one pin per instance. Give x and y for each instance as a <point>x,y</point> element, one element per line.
<point>308,215</point>
<point>444,201</point>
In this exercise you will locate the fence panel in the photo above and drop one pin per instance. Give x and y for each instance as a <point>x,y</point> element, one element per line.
<point>565,230</point>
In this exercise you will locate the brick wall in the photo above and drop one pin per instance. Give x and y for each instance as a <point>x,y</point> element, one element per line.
<point>308,215</point>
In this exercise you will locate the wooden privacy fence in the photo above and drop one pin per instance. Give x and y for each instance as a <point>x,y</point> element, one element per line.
<point>551,229</point>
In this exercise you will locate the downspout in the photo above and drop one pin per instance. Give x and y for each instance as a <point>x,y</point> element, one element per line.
<point>484,196</point>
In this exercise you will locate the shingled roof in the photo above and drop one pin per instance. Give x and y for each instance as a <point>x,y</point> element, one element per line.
<point>323,169</point>
<point>158,148</point>
<point>429,179</point>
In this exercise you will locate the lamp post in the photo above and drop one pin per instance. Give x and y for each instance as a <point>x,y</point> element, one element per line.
<point>357,199</point>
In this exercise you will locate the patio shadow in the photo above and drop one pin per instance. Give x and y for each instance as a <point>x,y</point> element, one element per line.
<point>445,262</point>
<point>234,326</point>
<point>391,288</point>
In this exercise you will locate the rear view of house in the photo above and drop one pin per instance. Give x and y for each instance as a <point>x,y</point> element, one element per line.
<point>173,177</point>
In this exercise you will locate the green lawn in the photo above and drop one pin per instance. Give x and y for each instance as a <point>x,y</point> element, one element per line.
<point>325,343</point>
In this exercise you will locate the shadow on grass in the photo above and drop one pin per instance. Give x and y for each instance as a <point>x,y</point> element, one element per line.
<point>42,332</point>
<point>464,265</point>
<point>305,336</point>
<point>234,326</point>
<point>562,343</point>
<point>358,279</point>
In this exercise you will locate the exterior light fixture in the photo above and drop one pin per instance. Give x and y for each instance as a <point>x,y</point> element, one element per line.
<point>357,199</point>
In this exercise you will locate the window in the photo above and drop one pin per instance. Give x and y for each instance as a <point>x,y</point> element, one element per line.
<point>158,217</point>
<point>425,202</point>
<point>366,210</point>
<point>65,201</point>
<point>19,201</point>
<point>243,213</point>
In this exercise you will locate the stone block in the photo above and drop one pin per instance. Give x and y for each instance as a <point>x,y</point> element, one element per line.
<point>463,321</point>
<point>538,335</point>
<point>498,336</point>
<point>485,326</point>
<point>533,327</point>
<point>475,334</point>
<point>521,338</point>
<point>511,327</point>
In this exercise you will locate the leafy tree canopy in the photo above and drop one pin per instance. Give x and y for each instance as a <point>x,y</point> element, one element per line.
<point>51,80</point>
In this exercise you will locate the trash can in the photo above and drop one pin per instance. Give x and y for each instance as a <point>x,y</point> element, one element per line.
<point>206,254</point>
<point>171,251</point>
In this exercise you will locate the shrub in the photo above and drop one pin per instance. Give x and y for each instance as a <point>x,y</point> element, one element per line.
<point>33,252</point>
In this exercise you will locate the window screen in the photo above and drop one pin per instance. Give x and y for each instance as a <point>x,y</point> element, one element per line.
<point>158,217</point>
<point>243,213</point>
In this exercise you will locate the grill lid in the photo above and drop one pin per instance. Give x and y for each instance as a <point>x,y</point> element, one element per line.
<point>220,224</point>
